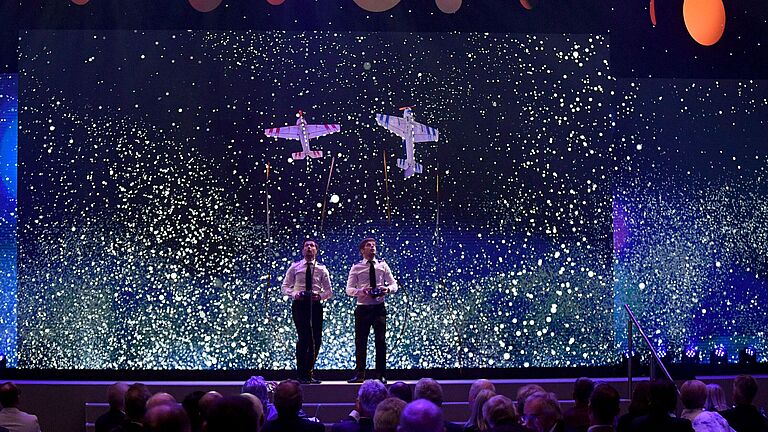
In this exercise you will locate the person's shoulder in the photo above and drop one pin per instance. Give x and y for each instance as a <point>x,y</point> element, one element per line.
<point>345,426</point>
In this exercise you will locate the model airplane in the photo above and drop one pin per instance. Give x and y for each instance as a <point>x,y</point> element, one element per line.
<point>303,132</point>
<point>411,132</point>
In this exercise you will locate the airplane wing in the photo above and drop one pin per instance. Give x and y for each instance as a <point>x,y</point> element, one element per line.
<point>287,132</point>
<point>317,130</point>
<point>424,133</point>
<point>396,125</point>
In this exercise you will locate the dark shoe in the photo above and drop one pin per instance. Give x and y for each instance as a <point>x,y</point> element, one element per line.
<point>382,379</point>
<point>357,379</point>
<point>314,381</point>
<point>304,381</point>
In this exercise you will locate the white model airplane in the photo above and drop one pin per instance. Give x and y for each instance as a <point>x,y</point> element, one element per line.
<point>411,132</point>
<point>303,132</point>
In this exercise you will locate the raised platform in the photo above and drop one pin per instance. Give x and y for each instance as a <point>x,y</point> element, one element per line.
<point>75,405</point>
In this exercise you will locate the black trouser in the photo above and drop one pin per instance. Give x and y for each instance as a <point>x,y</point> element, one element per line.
<point>366,317</point>
<point>308,318</point>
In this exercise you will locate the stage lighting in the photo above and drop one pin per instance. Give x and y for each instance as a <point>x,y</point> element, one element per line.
<point>748,356</point>
<point>718,356</point>
<point>691,355</point>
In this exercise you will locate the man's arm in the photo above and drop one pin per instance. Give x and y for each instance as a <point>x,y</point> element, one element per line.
<point>352,289</point>
<point>326,284</point>
<point>390,282</point>
<point>288,282</point>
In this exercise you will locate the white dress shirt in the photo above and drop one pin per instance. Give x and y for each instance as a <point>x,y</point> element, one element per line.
<point>359,281</point>
<point>295,280</point>
<point>18,421</point>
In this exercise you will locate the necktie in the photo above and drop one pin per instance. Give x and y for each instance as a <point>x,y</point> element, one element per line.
<point>308,279</point>
<point>371,274</point>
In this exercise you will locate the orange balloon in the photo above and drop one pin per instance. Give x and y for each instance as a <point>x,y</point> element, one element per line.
<point>448,6</point>
<point>529,4</point>
<point>204,5</point>
<point>377,5</point>
<point>705,20</point>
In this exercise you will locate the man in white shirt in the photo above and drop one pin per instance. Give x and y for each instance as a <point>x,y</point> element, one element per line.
<point>307,283</point>
<point>370,281</point>
<point>11,417</point>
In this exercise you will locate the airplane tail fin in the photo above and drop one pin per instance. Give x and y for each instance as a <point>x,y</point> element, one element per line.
<point>299,155</point>
<point>409,169</point>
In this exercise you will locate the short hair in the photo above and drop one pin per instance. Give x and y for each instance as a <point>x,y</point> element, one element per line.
<point>693,394</point>
<point>288,398</point>
<point>744,389</point>
<point>206,402</point>
<point>232,414</point>
<point>387,415</point>
<point>477,387</point>
<point>604,404</point>
<point>160,398</point>
<point>499,409</point>
<point>308,239</point>
<point>550,406</point>
<point>715,398</point>
<point>421,415</point>
<point>582,389</point>
<point>257,406</point>
<point>257,386</point>
<point>663,396</point>
<point>370,394</point>
<point>9,395</point>
<point>136,398</point>
<point>429,389</point>
<point>525,391</point>
<point>401,391</point>
<point>167,418</point>
<point>476,419</point>
<point>116,395</point>
<point>366,240</point>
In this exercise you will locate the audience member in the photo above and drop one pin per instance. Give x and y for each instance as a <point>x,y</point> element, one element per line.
<point>401,391</point>
<point>477,387</point>
<point>166,417</point>
<point>523,393</point>
<point>476,421</point>
<point>429,389</point>
<point>387,415</point>
<point>191,405</point>
<point>257,406</point>
<point>232,414</point>
<point>112,418</point>
<point>715,398</point>
<point>206,402</point>
<point>288,402</point>
<point>693,394</point>
<point>370,394</point>
<point>160,398</point>
<point>499,413</point>
<point>639,406</point>
<point>543,413</point>
<point>11,418</point>
<point>576,418</point>
<point>660,416</point>
<point>603,408</point>
<point>421,415</point>
<point>257,386</point>
<point>744,417</point>
<point>136,398</point>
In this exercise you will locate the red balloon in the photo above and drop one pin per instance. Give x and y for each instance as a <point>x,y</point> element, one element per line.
<point>448,6</point>
<point>80,2</point>
<point>529,4</point>
<point>204,5</point>
<point>275,2</point>
<point>377,5</point>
